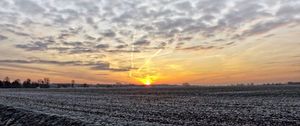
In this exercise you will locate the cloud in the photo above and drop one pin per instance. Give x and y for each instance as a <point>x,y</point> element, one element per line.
<point>7,69</point>
<point>79,50</point>
<point>73,23</point>
<point>29,7</point>
<point>34,46</point>
<point>41,62</point>
<point>142,42</point>
<point>73,43</point>
<point>200,47</point>
<point>108,33</point>
<point>23,67</point>
<point>18,33</point>
<point>117,51</point>
<point>264,27</point>
<point>88,37</point>
<point>289,10</point>
<point>186,5</point>
<point>107,67</point>
<point>102,46</point>
<point>185,38</point>
<point>3,37</point>
<point>243,13</point>
<point>121,46</point>
<point>102,74</point>
<point>93,65</point>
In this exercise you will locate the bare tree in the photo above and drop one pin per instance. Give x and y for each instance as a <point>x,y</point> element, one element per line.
<point>16,83</point>
<point>72,83</point>
<point>6,82</point>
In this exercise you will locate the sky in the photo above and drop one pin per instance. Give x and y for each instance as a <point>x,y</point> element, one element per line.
<point>205,42</point>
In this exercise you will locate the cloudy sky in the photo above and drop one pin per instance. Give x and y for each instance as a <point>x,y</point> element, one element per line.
<point>151,41</point>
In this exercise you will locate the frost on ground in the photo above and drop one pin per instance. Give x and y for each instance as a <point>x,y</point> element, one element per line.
<point>255,105</point>
<point>10,116</point>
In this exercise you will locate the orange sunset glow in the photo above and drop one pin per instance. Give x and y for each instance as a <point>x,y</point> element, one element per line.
<point>151,42</point>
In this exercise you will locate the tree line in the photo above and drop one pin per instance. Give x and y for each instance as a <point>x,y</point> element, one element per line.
<point>41,83</point>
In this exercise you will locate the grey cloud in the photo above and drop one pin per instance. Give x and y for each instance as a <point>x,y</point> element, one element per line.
<point>68,47</point>
<point>24,67</point>
<point>58,19</point>
<point>47,39</point>
<point>288,11</point>
<point>29,7</point>
<point>208,18</point>
<point>119,40</point>
<point>108,33</point>
<point>10,26</point>
<point>244,12</point>
<point>269,35</point>
<point>88,37</point>
<point>107,67</point>
<point>179,45</point>
<point>42,62</point>
<point>186,5</point>
<point>142,43</point>
<point>69,12</point>
<point>72,30</point>
<point>219,40</point>
<point>53,62</point>
<point>2,37</point>
<point>3,3</point>
<point>79,50</point>
<point>185,38</point>
<point>39,44</point>
<point>230,43</point>
<point>63,35</point>
<point>161,45</point>
<point>172,24</point>
<point>34,46</point>
<point>209,7</point>
<point>200,47</point>
<point>17,32</point>
<point>102,46</point>
<point>264,27</point>
<point>123,51</point>
<point>121,46</point>
<point>69,32</point>
<point>160,18</point>
<point>99,39</point>
<point>89,8</point>
<point>93,65</point>
<point>73,43</point>
<point>101,67</point>
<point>91,22</point>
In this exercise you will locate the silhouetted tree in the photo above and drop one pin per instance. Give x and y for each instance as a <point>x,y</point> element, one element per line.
<point>27,83</point>
<point>72,83</point>
<point>6,82</point>
<point>1,84</point>
<point>35,84</point>
<point>40,81</point>
<point>16,84</point>
<point>85,85</point>
<point>47,80</point>
<point>44,83</point>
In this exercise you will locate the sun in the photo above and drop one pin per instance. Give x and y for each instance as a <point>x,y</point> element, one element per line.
<point>146,81</point>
